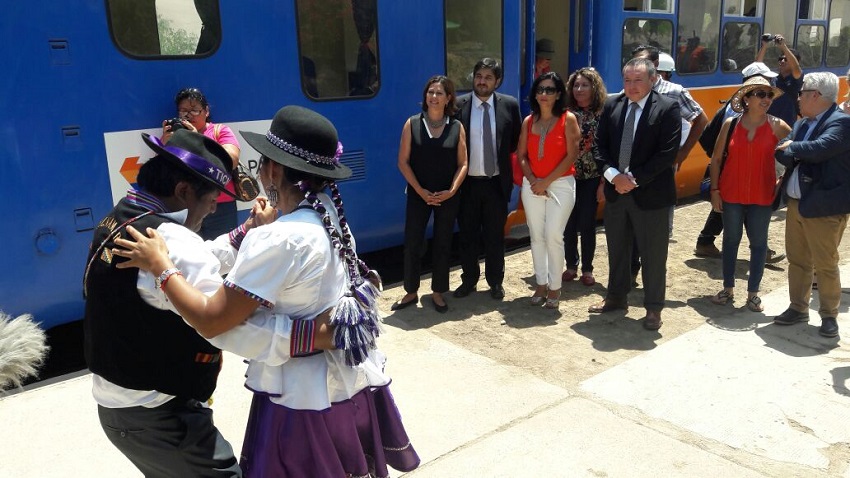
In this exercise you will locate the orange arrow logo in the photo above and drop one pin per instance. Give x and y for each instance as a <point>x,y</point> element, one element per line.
<point>130,169</point>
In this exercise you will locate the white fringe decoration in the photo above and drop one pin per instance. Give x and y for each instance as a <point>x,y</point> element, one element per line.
<point>23,347</point>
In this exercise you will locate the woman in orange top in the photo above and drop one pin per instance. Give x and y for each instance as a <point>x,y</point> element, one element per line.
<point>743,191</point>
<point>548,147</point>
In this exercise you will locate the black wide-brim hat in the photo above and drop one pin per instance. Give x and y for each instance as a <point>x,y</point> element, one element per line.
<point>303,140</point>
<point>199,155</point>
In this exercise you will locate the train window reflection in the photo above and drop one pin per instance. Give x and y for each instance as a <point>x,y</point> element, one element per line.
<point>838,45</point>
<point>741,42</point>
<point>742,8</point>
<point>338,41</point>
<point>642,31</point>
<point>165,27</point>
<point>470,36</point>
<point>813,9</point>
<point>655,6</point>
<point>698,40</point>
<point>810,45</point>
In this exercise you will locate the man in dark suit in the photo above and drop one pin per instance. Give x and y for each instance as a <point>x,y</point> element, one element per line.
<point>492,122</point>
<point>817,188</point>
<point>638,138</point>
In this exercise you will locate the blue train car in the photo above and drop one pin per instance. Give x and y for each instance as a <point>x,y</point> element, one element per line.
<point>83,78</point>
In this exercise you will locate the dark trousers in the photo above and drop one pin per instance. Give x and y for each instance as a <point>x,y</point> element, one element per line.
<point>712,228</point>
<point>582,221</point>
<point>223,220</point>
<point>482,216</point>
<point>176,439</point>
<point>625,222</point>
<point>416,222</point>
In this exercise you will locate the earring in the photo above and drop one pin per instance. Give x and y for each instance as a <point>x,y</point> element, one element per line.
<point>273,195</point>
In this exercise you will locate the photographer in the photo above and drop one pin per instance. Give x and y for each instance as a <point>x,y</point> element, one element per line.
<point>790,79</point>
<point>193,114</point>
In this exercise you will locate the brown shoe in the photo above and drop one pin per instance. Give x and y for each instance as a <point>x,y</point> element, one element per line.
<point>652,321</point>
<point>607,306</point>
<point>707,250</point>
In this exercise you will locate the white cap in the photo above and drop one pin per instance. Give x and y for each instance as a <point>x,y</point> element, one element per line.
<point>758,68</point>
<point>665,62</point>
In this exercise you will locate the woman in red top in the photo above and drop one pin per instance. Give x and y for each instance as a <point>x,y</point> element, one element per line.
<point>743,191</point>
<point>547,151</point>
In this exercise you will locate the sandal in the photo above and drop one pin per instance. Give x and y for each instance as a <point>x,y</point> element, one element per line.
<point>552,302</point>
<point>754,304</point>
<point>538,299</point>
<point>723,297</point>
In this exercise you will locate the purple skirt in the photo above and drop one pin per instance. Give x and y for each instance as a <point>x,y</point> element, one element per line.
<point>354,438</point>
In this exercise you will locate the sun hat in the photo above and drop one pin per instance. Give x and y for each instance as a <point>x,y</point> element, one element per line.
<point>750,85</point>
<point>665,62</point>
<point>544,48</point>
<point>758,68</point>
<point>197,154</point>
<point>303,140</point>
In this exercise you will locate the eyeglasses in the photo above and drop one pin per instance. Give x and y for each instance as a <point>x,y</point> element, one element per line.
<point>800,93</point>
<point>189,112</point>
<point>761,94</point>
<point>546,90</point>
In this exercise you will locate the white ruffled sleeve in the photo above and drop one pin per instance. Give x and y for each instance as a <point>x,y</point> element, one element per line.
<point>264,337</point>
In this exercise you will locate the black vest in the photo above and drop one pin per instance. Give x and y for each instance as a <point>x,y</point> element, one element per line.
<point>132,344</point>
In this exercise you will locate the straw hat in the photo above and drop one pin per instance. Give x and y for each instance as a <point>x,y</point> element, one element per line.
<point>756,82</point>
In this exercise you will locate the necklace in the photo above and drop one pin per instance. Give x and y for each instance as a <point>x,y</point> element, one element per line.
<point>435,124</point>
<point>544,130</point>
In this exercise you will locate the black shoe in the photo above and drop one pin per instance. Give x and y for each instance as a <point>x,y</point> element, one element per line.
<point>497,292</point>
<point>773,257</point>
<point>403,305</point>
<point>791,316</point>
<point>828,327</point>
<point>440,308</point>
<point>708,250</point>
<point>464,290</point>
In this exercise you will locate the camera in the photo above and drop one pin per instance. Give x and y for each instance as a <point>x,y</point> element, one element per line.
<point>175,123</point>
<point>768,37</point>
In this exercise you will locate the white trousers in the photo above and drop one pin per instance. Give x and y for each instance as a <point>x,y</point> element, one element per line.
<point>547,217</point>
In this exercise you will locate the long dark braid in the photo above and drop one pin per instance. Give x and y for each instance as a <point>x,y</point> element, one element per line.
<point>356,317</point>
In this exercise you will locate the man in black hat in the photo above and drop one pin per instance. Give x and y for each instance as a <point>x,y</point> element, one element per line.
<point>152,373</point>
<point>492,123</point>
<point>544,50</point>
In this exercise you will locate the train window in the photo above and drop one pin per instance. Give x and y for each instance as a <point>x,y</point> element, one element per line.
<point>655,6</point>
<point>338,44</point>
<point>741,42</point>
<point>699,32</point>
<point>646,31</point>
<point>810,45</point>
<point>779,18</point>
<point>838,45</point>
<point>813,9</point>
<point>741,8</point>
<point>473,32</point>
<point>165,27</point>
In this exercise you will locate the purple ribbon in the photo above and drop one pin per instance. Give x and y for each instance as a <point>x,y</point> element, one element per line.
<point>197,163</point>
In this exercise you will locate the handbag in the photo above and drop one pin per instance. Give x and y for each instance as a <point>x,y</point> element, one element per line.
<point>705,184</point>
<point>245,184</point>
<point>516,170</point>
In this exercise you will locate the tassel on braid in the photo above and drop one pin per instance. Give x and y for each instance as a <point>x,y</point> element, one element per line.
<point>356,317</point>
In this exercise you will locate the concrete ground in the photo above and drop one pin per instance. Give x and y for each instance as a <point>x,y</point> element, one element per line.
<point>735,397</point>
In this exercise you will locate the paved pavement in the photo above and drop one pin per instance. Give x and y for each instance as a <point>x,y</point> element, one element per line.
<point>733,398</point>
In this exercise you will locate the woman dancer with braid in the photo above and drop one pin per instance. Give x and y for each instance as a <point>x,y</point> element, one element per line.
<point>321,406</point>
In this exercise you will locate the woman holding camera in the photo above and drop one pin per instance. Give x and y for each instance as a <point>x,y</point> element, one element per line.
<point>193,113</point>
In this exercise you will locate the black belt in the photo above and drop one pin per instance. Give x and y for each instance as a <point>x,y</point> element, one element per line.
<point>482,178</point>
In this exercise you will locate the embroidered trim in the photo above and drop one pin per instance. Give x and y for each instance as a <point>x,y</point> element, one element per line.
<point>237,235</point>
<point>302,340</point>
<point>263,302</point>
<point>389,448</point>
<point>303,153</point>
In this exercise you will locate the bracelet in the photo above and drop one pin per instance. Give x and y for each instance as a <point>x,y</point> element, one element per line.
<point>166,274</point>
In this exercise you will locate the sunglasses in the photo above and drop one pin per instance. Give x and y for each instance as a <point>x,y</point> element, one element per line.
<point>761,94</point>
<point>546,90</point>
<point>800,93</point>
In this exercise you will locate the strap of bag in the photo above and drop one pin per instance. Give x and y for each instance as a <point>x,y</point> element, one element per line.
<point>726,146</point>
<point>216,131</point>
<point>102,246</point>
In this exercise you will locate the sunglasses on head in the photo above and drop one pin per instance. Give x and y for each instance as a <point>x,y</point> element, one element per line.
<point>762,94</point>
<point>546,90</point>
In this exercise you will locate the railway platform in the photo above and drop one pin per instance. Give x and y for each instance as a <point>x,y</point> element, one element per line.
<point>733,396</point>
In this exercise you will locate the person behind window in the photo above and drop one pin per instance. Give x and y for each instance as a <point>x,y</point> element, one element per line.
<point>544,50</point>
<point>193,110</point>
<point>432,159</point>
<point>547,152</point>
<point>744,190</point>
<point>586,94</point>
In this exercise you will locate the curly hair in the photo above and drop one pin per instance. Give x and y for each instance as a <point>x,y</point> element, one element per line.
<point>599,93</point>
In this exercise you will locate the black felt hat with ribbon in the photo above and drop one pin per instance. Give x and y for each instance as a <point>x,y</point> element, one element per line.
<point>197,154</point>
<point>303,140</point>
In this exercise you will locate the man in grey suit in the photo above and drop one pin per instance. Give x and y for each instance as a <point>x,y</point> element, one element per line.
<point>492,122</point>
<point>638,138</point>
<point>817,188</point>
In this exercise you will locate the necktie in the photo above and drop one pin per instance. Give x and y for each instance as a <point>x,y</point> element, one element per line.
<point>487,137</point>
<point>628,136</point>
